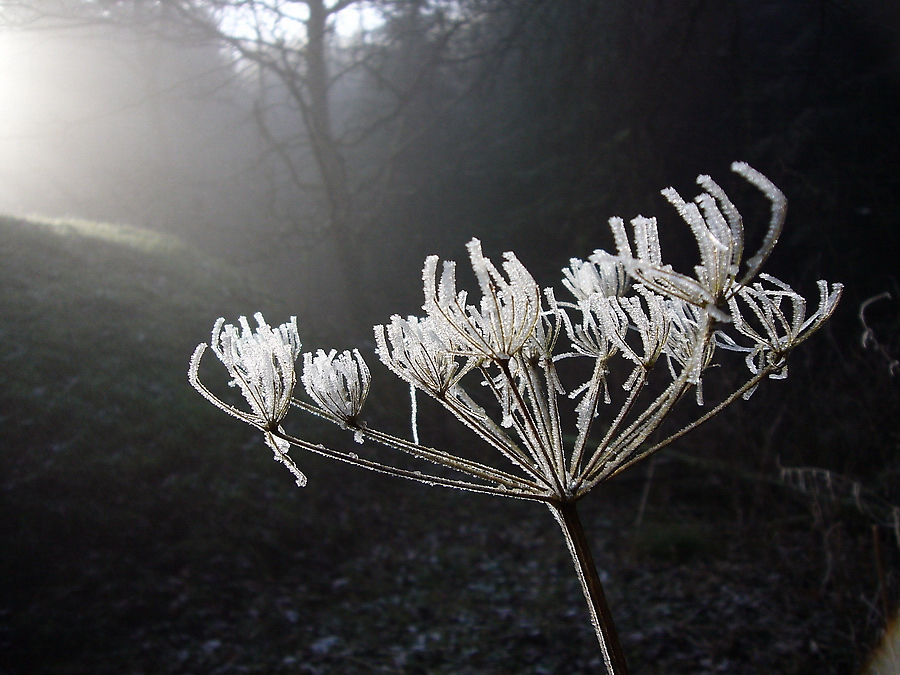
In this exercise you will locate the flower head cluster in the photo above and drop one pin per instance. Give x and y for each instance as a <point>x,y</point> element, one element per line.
<point>718,229</point>
<point>505,317</point>
<point>415,351</point>
<point>260,363</point>
<point>602,274</point>
<point>777,323</point>
<point>338,383</point>
<point>631,306</point>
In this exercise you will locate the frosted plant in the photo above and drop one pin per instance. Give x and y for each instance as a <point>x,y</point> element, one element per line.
<point>339,386</point>
<point>417,353</point>
<point>629,312</point>
<point>261,364</point>
<point>602,274</point>
<point>507,314</point>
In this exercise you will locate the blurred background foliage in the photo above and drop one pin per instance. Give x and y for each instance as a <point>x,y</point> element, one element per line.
<point>307,167</point>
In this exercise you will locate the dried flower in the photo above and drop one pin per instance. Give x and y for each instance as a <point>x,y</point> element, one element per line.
<point>418,354</point>
<point>602,274</point>
<point>718,229</point>
<point>507,314</point>
<point>688,324</point>
<point>338,383</point>
<point>781,322</point>
<point>646,313</point>
<point>261,364</point>
<point>631,306</point>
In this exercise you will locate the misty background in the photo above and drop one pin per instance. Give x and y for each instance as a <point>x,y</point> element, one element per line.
<point>329,169</point>
<point>215,157</point>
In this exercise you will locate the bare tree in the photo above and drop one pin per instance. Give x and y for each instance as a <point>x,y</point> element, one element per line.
<point>294,62</point>
<point>295,47</point>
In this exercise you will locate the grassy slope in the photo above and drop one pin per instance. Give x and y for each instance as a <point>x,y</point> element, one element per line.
<point>144,531</point>
<point>107,454</point>
<point>98,323</point>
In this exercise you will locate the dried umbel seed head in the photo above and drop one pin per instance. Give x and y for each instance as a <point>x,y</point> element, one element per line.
<point>505,317</point>
<point>414,351</point>
<point>631,311</point>
<point>260,363</point>
<point>338,383</point>
<point>719,231</point>
<point>602,274</point>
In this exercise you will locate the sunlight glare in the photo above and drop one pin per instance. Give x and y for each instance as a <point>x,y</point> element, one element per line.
<point>360,18</point>
<point>18,99</point>
<point>277,21</point>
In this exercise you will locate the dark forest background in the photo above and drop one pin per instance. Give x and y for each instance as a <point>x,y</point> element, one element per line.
<point>307,166</point>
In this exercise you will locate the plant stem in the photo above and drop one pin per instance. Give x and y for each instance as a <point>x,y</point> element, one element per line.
<point>567,517</point>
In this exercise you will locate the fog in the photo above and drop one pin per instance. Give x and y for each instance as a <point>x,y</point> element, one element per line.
<point>433,126</point>
<point>310,159</point>
<point>114,125</point>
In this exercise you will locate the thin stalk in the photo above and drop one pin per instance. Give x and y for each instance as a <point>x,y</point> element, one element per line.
<point>592,397</point>
<point>455,462</point>
<point>642,428</point>
<point>541,451</point>
<point>752,382</point>
<point>749,384</point>
<point>525,427</point>
<point>418,476</point>
<point>487,429</point>
<point>599,455</point>
<point>556,428</point>
<point>543,402</point>
<point>567,517</point>
<point>474,469</point>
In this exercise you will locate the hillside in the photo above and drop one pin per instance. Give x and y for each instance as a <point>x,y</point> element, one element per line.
<point>109,459</point>
<point>143,531</point>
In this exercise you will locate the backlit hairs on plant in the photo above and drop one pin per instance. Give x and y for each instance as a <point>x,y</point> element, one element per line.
<point>719,231</point>
<point>261,364</point>
<point>418,354</point>
<point>629,312</point>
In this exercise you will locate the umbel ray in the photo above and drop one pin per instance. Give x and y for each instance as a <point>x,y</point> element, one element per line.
<point>626,312</point>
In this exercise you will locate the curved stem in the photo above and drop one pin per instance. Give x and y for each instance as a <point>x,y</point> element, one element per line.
<point>567,517</point>
<point>472,468</point>
<point>418,476</point>
<point>599,453</point>
<point>466,411</point>
<point>541,450</point>
<point>749,384</point>
<point>592,397</point>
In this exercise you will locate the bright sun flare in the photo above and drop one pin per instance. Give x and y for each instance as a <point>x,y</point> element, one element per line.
<point>17,96</point>
<point>243,21</point>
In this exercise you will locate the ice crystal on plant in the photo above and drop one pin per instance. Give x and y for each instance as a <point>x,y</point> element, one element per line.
<point>338,383</point>
<point>686,328</point>
<point>602,273</point>
<point>261,365</point>
<point>779,315</point>
<point>415,351</point>
<point>504,319</point>
<point>645,312</point>
<point>630,310</point>
<point>719,232</point>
